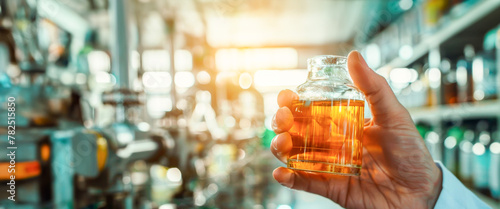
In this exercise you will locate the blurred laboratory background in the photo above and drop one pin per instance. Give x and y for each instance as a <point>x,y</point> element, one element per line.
<point>168,103</point>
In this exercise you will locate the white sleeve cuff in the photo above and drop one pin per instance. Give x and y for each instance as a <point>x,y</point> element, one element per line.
<point>454,194</point>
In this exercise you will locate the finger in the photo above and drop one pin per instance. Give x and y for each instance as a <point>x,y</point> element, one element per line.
<point>281,146</point>
<point>383,102</point>
<point>326,185</point>
<point>282,120</point>
<point>368,121</point>
<point>286,97</point>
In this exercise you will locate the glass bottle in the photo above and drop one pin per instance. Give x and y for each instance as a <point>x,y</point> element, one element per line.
<point>434,145</point>
<point>484,68</point>
<point>481,161</point>
<point>328,120</point>
<point>464,76</point>
<point>465,158</point>
<point>451,148</point>
<point>433,79</point>
<point>449,82</point>
<point>494,173</point>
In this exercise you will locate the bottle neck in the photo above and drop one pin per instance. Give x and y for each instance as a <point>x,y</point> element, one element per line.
<point>335,73</point>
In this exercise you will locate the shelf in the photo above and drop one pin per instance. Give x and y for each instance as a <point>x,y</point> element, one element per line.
<point>454,27</point>
<point>483,109</point>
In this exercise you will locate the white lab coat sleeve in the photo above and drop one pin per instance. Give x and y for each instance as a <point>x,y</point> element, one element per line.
<point>455,195</point>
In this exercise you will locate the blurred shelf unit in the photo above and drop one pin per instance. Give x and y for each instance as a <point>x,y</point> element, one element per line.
<point>483,109</point>
<point>442,62</point>
<point>486,10</point>
<point>460,25</point>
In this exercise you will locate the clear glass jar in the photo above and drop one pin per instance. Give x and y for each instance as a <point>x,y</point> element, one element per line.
<point>328,120</point>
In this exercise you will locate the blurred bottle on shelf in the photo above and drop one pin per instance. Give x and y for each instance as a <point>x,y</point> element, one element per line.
<point>464,75</point>
<point>449,82</point>
<point>484,67</point>
<point>433,79</point>
<point>494,172</point>
<point>413,92</point>
<point>481,160</point>
<point>433,11</point>
<point>484,76</point>
<point>410,27</point>
<point>451,148</point>
<point>419,88</point>
<point>423,129</point>
<point>433,143</point>
<point>465,158</point>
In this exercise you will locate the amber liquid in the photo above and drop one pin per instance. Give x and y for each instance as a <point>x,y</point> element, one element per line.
<point>326,136</point>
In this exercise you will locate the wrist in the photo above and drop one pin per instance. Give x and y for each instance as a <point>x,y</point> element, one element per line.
<point>436,189</point>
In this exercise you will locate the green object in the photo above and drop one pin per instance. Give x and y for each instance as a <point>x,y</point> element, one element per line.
<point>490,39</point>
<point>456,132</point>
<point>422,130</point>
<point>267,137</point>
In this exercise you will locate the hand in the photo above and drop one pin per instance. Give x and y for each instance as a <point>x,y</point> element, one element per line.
<point>397,170</point>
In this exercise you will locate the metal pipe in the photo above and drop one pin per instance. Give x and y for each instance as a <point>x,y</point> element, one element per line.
<point>171,37</point>
<point>139,150</point>
<point>119,43</point>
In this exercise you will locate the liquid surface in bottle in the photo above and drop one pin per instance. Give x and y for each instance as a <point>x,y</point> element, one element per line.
<point>326,136</point>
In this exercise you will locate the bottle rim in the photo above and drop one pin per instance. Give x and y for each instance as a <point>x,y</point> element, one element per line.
<point>327,60</point>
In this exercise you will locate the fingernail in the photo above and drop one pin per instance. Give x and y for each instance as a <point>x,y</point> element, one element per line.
<point>287,176</point>
<point>274,125</point>
<point>273,143</point>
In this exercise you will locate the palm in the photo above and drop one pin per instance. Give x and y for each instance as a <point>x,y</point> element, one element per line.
<point>388,179</point>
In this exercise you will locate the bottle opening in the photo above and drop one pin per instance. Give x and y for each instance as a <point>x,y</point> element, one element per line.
<point>327,60</point>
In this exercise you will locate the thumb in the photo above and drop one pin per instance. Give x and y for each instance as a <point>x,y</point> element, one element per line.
<point>383,103</point>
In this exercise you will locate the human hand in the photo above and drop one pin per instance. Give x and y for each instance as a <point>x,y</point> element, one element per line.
<point>397,170</point>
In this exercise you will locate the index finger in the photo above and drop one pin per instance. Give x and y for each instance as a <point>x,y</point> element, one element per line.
<point>286,97</point>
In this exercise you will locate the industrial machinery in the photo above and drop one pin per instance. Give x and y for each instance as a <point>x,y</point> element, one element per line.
<point>63,159</point>
<point>83,135</point>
